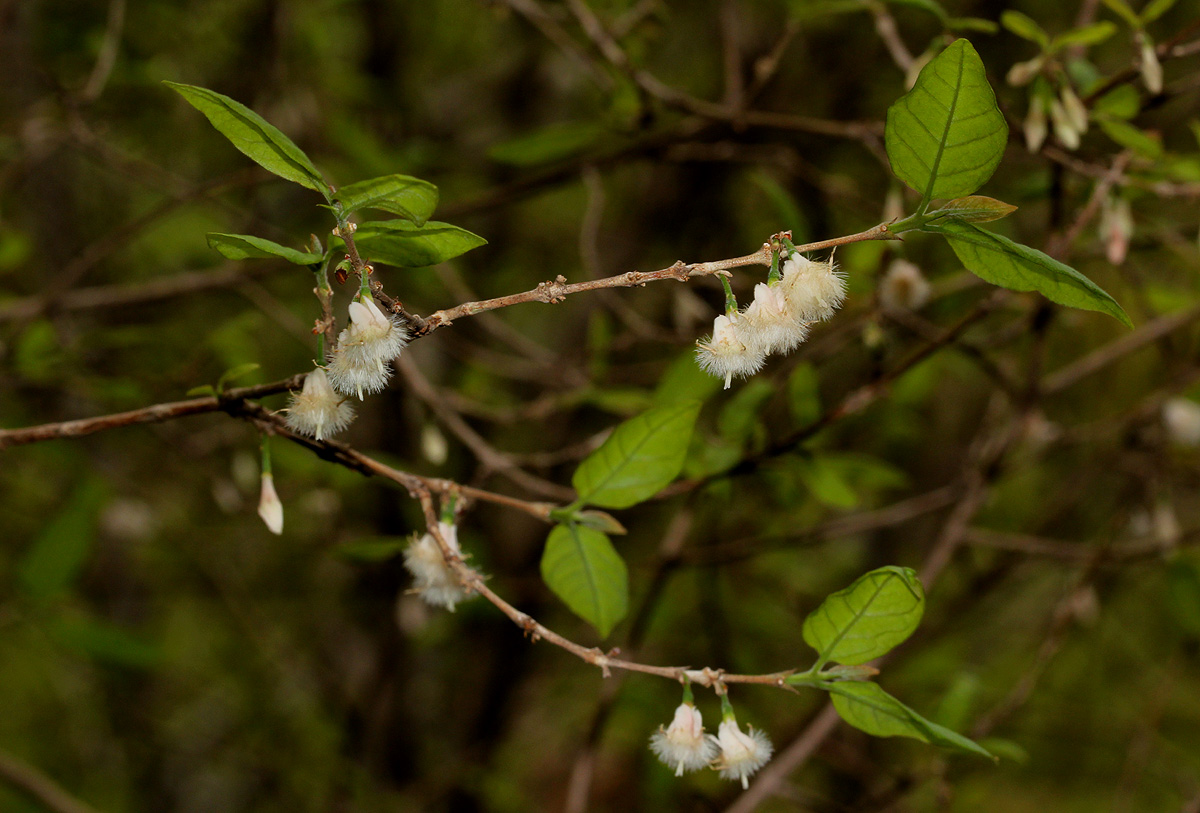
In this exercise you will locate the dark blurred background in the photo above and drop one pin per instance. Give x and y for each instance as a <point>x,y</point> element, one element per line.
<point>160,650</point>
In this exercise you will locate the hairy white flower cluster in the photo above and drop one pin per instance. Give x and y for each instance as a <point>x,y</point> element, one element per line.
<point>777,321</point>
<point>318,411</point>
<point>433,578</point>
<point>362,360</point>
<point>684,746</point>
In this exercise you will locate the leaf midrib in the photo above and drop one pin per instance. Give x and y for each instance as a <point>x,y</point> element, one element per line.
<point>937,161</point>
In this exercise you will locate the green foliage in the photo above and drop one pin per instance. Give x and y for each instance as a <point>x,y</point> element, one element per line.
<point>248,247</point>
<point>254,137</point>
<point>409,245</point>
<point>638,459</point>
<point>1003,262</point>
<point>583,569</point>
<point>869,708</point>
<point>974,209</point>
<point>867,619</point>
<point>51,565</point>
<point>552,143</point>
<point>410,198</point>
<point>946,136</point>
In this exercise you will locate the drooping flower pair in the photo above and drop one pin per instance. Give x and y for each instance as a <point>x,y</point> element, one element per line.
<point>684,746</point>
<point>360,363</point>
<point>777,321</point>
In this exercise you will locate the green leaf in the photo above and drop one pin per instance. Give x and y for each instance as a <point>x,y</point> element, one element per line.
<point>254,136</point>
<point>1025,28</point>
<point>740,416</point>
<point>378,549</point>
<point>601,521</point>
<point>815,9</point>
<point>106,642</point>
<point>826,482</point>
<point>552,143</point>
<point>974,209</point>
<point>867,619</point>
<point>1131,137</point>
<point>203,389</point>
<point>234,373</point>
<point>972,24</point>
<point>869,708</point>
<point>1006,263</point>
<point>925,5</point>
<point>54,561</point>
<point>1122,10</point>
<point>407,245</point>
<point>1155,9</point>
<point>410,198</point>
<point>583,569</point>
<point>639,458</point>
<point>685,381</point>
<point>1122,102</point>
<point>1093,34</point>
<point>804,394</point>
<point>946,136</point>
<point>248,247</point>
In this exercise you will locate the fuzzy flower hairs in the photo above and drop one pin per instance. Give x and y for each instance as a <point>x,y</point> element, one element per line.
<point>778,319</point>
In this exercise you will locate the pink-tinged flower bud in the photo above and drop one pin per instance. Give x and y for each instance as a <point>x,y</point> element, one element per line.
<point>814,290</point>
<point>741,753</point>
<point>318,411</point>
<point>361,362</point>
<point>269,506</point>
<point>769,321</point>
<point>726,354</point>
<point>682,745</point>
<point>903,287</point>
<point>433,578</point>
<point>1116,228</point>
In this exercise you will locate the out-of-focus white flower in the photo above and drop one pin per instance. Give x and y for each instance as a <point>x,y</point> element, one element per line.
<point>1181,416</point>
<point>1064,130</point>
<point>1073,106</point>
<point>1022,73</point>
<point>741,753</point>
<point>269,506</point>
<point>1036,128</point>
<point>903,286</point>
<point>318,411</point>
<point>361,362</point>
<point>433,578</point>
<point>768,321</point>
<point>726,354</point>
<point>814,290</point>
<point>1152,73</point>
<point>682,745</point>
<point>1116,228</point>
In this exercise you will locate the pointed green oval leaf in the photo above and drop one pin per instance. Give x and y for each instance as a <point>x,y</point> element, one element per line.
<point>1084,36</point>
<point>946,136</point>
<point>867,619</point>
<point>583,569</point>
<point>1132,137</point>
<point>1000,261</point>
<point>254,136</point>
<point>869,708</point>
<point>639,458</point>
<point>1024,27</point>
<point>407,245</point>
<point>1155,9</point>
<point>410,198</point>
<point>975,209</point>
<point>54,561</point>
<point>249,247</point>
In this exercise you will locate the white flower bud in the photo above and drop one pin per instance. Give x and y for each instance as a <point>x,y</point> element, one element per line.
<point>1181,416</point>
<point>1063,129</point>
<point>318,411</point>
<point>365,349</point>
<point>814,290</point>
<point>269,506</point>
<point>769,321</point>
<point>433,578</point>
<point>1035,124</point>
<point>1073,106</point>
<point>1022,73</point>
<point>1116,228</point>
<point>741,753</point>
<point>682,745</point>
<point>1152,73</point>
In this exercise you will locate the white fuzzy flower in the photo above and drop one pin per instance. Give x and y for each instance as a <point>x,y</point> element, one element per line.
<point>814,290</point>
<point>318,411</point>
<point>433,578</point>
<point>903,286</point>
<point>1182,419</point>
<point>741,753</point>
<point>769,321</point>
<point>365,349</point>
<point>727,353</point>
<point>269,506</point>
<point>682,744</point>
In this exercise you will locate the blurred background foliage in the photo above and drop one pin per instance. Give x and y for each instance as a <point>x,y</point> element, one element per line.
<point>160,650</point>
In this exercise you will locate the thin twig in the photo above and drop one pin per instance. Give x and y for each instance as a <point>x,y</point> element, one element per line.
<point>39,787</point>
